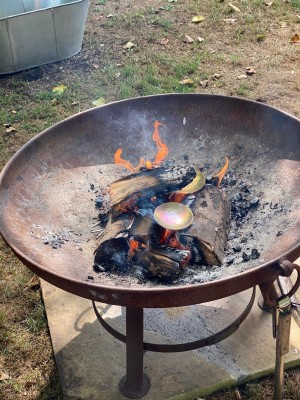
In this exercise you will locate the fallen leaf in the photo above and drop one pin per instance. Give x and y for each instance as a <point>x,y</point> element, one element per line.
<point>99,102</point>
<point>59,89</point>
<point>117,75</point>
<point>10,129</point>
<point>13,111</point>
<point>295,38</point>
<point>129,45</point>
<point>198,18</point>
<point>230,20</point>
<point>216,76</point>
<point>33,283</point>
<point>3,375</point>
<point>243,76</point>
<point>204,84</point>
<point>110,16</point>
<point>96,66</point>
<point>188,39</point>
<point>164,41</point>
<point>75,103</point>
<point>250,71</point>
<point>268,3</point>
<point>261,37</point>
<point>54,102</point>
<point>234,8</point>
<point>298,18</point>
<point>187,82</point>
<point>200,39</point>
<point>283,25</point>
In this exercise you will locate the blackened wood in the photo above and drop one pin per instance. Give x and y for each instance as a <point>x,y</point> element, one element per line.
<point>155,181</point>
<point>113,253</point>
<point>158,266</point>
<point>142,229</point>
<point>210,227</point>
<point>177,255</point>
<point>114,228</point>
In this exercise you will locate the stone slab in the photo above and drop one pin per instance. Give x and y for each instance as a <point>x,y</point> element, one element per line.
<point>91,362</point>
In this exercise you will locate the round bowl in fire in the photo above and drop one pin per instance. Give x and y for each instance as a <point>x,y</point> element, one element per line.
<point>173,216</point>
<point>53,188</point>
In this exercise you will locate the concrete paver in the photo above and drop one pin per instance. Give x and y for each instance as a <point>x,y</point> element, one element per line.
<point>91,362</point>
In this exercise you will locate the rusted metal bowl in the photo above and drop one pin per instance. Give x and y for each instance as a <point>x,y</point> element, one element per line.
<point>47,188</point>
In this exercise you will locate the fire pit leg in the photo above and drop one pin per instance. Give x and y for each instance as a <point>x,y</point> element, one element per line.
<point>135,383</point>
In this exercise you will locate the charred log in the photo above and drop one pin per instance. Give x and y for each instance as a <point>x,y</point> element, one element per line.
<point>158,266</point>
<point>114,228</point>
<point>113,253</point>
<point>151,181</point>
<point>142,229</point>
<point>210,227</point>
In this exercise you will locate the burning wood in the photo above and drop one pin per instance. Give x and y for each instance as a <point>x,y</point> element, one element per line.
<point>158,249</point>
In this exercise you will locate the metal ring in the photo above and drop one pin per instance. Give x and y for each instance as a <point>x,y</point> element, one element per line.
<point>286,268</point>
<point>172,348</point>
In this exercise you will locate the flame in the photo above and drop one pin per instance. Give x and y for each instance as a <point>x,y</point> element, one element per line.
<point>126,164</point>
<point>220,175</point>
<point>162,148</point>
<point>166,236</point>
<point>133,246</point>
<point>162,153</point>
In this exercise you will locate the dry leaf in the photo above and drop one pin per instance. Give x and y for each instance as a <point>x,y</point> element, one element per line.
<point>13,111</point>
<point>188,39</point>
<point>59,89</point>
<point>216,76</point>
<point>198,18</point>
<point>129,45</point>
<point>75,103</point>
<point>234,8</point>
<point>243,76</point>
<point>200,39</point>
<point>164,41</point>
<point>187,82</point>
<point>230,20</point>
<point>283,24</point>
<point>33,283</point>
<point>3,375</point>
<point>99,102</point>
<point>96,66</point>
<point>250,71</point>
<point>204,84</point>
<point>10,129</point>
<point>268,3</point>
<point>295,38</point>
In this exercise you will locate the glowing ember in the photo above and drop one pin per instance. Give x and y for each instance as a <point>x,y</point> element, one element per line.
<point>162,153</point>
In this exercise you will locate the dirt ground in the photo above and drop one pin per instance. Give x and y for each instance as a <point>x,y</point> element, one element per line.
<point>245,48</point>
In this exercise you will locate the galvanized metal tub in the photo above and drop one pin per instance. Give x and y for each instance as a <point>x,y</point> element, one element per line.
<point>36,32</point>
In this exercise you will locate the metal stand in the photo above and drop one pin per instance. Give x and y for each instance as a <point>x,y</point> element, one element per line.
<point>135,383</point>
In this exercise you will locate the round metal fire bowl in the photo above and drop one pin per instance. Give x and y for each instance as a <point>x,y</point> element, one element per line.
<point>47,188</point>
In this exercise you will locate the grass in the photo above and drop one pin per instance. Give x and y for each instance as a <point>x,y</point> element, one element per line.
<point>105,69</point>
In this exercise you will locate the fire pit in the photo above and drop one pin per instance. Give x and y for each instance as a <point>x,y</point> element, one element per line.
<point>49,189</point>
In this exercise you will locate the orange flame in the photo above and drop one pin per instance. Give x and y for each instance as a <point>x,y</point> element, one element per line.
<point>220,175</point>
<point>162,148</point>
<point>126,164</point>
<point>162,153</point>
<point>133,246</point>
